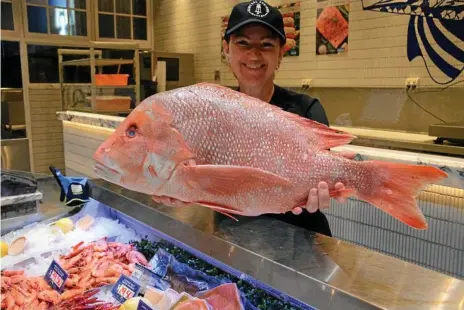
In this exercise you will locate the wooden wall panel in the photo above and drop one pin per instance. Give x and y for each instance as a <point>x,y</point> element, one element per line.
<point>46,131</point>
<point>80,143</point>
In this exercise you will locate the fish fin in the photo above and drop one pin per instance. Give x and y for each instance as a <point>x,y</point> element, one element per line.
<point>398,185</point>
<point>230,180</point>
<point>169,201</point>
<point>220,209</point>
<point>342,193</point>
<point>328,137</point>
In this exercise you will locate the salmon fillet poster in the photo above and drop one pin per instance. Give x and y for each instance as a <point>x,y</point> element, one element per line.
<point>332,29</point>
<point>291,15</point>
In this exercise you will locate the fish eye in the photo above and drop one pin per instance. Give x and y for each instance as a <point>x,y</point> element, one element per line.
<point>131,132</point>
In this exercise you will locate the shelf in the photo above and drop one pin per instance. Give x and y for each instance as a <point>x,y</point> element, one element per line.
<point>98,62</point>
<point>81,85</point>
<point>90,110</point>
<point>93,61</point>
<point>127,86</point>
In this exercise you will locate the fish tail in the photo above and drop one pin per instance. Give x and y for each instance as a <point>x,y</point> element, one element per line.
<point>392,187</point>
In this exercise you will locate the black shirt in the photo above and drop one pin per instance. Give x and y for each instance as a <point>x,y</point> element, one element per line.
<point>311,108</point>
<point>300,104</point>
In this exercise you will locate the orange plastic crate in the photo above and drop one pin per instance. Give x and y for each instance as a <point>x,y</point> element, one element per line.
<point>111,79</point>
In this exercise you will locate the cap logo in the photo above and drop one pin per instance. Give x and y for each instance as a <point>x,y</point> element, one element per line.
<point>258,8</point>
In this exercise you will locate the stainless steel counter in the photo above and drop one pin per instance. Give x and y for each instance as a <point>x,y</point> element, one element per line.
<point>49,206</point>
<point>323,272</point>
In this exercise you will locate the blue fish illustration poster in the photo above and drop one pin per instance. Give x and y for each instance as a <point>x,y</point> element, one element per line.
<point>332,29</point>
<point>435,33</point>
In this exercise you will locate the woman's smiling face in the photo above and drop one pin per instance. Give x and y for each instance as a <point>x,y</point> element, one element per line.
<point>254,53</point>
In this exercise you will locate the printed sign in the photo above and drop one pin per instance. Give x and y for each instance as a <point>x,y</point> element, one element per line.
<point>332,29</point>
<point>76,189</point>
<point>291,15</point>
<point>143,306</point>
<point>145,277</point>
<point>125,288</point>
<point>56,276</point>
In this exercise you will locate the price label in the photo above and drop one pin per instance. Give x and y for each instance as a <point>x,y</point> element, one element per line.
<point>143,306</point>
<point>125,288</point>
<point>145,277</point>
<point>56,276</point>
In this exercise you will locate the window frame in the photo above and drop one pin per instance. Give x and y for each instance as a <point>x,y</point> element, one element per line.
<point>143,44</point>
<point>75,45</point>
<point>14,35</point>
<point>57,38</point>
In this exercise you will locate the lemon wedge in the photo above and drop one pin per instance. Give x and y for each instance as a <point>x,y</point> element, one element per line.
<point>65,224</point>
<point>4,246</point>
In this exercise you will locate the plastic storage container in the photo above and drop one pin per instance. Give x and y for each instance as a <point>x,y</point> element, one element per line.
<point>111,79</point>
<point>111,103</point>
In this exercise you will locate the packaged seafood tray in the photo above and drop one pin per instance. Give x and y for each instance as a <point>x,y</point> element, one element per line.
<point>99,248</point>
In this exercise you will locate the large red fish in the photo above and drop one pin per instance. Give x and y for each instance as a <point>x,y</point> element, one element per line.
<point>209,145</point>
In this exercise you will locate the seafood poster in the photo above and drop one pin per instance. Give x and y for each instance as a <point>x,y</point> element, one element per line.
<point>224,22</point>
<point>332,29</point>
<point>291,15</point>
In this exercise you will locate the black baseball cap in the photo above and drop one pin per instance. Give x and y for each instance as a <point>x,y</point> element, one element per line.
<point>256,11</point>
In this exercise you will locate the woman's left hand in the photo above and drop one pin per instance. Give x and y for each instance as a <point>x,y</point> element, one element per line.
<point>319,198</point>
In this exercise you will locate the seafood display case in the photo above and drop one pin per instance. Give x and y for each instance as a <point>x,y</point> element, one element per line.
<point>193,258</point>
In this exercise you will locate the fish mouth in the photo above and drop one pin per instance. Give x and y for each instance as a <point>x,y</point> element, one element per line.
<point>107,173</point>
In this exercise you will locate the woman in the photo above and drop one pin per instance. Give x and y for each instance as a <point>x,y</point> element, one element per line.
<point>253,45</point>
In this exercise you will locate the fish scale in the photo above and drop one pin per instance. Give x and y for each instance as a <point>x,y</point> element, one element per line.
<point>250,146</point>
<point>209,145</point>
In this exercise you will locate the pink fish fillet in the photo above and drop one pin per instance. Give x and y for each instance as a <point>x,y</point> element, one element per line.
<point>209,145</point>
<point>224,297</point>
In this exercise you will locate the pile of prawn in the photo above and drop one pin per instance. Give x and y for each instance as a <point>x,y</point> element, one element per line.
<point>100,263</point>
<point>88,266</point>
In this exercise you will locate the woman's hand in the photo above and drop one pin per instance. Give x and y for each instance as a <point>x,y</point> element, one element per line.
<point>319,198</point>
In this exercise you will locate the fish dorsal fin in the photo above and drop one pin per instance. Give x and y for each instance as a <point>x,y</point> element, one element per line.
<point>319,134</point>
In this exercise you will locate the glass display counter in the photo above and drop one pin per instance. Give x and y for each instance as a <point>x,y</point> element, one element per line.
<point>273,265</point>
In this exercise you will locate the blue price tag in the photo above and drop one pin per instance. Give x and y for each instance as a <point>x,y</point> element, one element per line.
<point>145,276</point>
<point>56,276</point>
<point>143,306</point>
<point>125,288</point>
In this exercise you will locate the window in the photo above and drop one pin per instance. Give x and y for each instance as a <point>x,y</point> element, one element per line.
<point>11,65</point>
<point>172,68</point>
<point>122,19</point>
<point>7,15</point>
<point>61,17</point>
<point>43,66</point>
